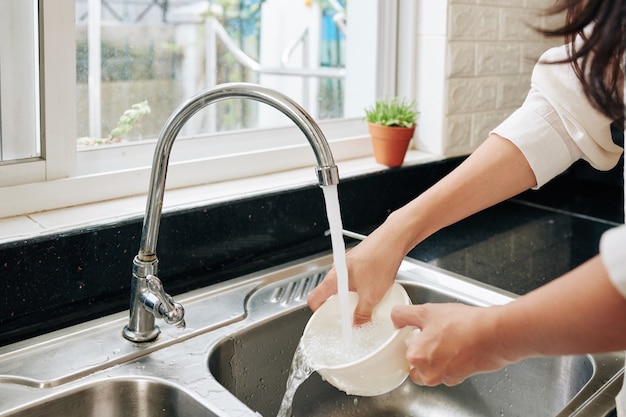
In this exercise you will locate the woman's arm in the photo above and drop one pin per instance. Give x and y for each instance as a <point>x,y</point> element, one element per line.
<point>581,312</point>
<point>496,171</point>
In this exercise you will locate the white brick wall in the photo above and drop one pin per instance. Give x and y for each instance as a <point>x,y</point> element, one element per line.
<point>474,63</point>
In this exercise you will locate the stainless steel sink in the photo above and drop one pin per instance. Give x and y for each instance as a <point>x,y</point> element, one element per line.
<point>234,357</point>
<point>253,364</point>
<point>120,397</point>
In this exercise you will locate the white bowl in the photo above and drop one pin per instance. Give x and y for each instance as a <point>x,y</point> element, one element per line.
<point>379,371</point>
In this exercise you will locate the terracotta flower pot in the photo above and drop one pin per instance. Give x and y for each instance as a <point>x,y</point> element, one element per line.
<point>390,143</point>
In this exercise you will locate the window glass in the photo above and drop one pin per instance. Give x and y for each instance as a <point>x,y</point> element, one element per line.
<point>19,95</point>
<point>137,60</point>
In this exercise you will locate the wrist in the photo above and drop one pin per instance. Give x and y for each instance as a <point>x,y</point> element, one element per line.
<point>407,227</point>
<point>511,333</point>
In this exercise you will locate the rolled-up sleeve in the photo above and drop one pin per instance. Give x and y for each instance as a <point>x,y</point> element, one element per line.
<point>535,128</point>
<point>613,254</point>
<point>557,125</point>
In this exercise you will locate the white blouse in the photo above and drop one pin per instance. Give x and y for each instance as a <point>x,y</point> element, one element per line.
<point>555,127</point>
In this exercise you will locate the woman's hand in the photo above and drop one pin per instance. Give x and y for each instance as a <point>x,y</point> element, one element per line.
<point>456,341</point>
<point>372,268</point>
<point>580,312</point>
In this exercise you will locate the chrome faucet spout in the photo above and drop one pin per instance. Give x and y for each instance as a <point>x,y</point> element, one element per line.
<point>148,300</point>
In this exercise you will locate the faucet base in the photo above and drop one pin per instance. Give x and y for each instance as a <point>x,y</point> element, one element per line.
<point>140,337</point>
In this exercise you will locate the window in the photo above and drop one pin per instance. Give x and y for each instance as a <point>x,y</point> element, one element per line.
<point>144,57</point>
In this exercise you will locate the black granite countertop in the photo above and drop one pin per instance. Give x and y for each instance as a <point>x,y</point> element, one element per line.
<point>514,246</point>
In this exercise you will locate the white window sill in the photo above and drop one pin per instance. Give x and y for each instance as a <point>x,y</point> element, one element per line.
<point>89,215</point>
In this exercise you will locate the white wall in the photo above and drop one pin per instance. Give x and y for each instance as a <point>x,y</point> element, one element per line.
<point>474,59</point>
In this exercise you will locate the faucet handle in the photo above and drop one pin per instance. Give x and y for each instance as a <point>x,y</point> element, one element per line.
<point>169,310</point>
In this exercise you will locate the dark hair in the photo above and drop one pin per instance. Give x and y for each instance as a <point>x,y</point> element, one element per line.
<point>598,60</point>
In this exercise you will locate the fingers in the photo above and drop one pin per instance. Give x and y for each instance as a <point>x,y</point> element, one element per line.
<point>324,290</point>
<point>427,369</point>
<point>409,315</point>
<point>363,310</point>
<point>425,378</point>
<point>328,287</point>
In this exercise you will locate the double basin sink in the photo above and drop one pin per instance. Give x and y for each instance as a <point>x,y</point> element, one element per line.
<point>234,357</point>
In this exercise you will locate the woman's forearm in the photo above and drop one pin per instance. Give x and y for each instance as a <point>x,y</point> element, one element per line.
<point>497,170</point>
<point>580,312</point>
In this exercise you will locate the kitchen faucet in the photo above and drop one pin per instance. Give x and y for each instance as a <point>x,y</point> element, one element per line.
<point>148,299</point>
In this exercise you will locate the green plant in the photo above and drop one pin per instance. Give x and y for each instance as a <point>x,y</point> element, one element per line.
<point>127,121</point>
<point>130,118</point>
<point>392,112</point>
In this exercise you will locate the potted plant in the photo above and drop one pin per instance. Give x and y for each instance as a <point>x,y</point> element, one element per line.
<point>391,124</point>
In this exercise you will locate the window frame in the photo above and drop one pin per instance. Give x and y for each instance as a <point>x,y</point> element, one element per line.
<point>52,181</point>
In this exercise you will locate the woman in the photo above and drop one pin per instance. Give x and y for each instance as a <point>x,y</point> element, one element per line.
<point>577,92</point>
